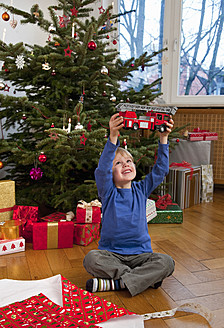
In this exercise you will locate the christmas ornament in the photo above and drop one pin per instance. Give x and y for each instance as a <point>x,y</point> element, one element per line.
<point>113,98</point>
<point>107,36</point>
<point>6,88</point>
<point>53,73</point>
<point>101,9</point>
<point>89,126</point>
<point>104,93</point>
<point>104,70</point>
<point>79,126</point>
<point>2,85</point>
<point>46,66</point>
<point>125,144</point>
<point>1,165</point>
<point>108,25</point>
<point>52,125</point>
<point>42,157</point>
<point>128,99</point>
<point>56,44</point>
<point>13,22</point>
<point>68,51</point>
<point>36,173</point>
<point>81,99</point>
<point>74,11</point>
<point>177,140</point>
<point>92,45</point>
<point>36,14</point>
<point>143,67</point>
<point>20,62</point>
<point>24,117</point>
<point>83,139</point>
<point>53,136</point>
<point>114,42</point>
<point>132,65</point>
<point>5,16</point>
<point>63,21</point>
<point>51,28</point>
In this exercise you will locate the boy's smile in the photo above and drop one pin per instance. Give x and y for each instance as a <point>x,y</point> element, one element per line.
<point>123,171</point>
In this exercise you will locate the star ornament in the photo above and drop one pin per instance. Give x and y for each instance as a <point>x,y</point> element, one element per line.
<point>68,51</point>
<point>74,11</point>
<point>101,9</point>
<point>83,139</point>
<point>7,88</point>
<point>63,21</point>
<point>53,136</point>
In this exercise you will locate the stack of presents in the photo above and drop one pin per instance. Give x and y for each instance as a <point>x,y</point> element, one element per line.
<point>21,224</point>
<point>190,178</point>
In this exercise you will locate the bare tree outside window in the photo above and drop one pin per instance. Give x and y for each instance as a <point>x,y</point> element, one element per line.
<point>201,64</point>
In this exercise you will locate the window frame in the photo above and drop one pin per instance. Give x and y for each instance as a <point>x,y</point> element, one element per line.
<point>170,67</point>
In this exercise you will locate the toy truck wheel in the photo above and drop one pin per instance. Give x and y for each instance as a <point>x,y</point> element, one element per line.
<point>162,129</point>
<point>135,126</point>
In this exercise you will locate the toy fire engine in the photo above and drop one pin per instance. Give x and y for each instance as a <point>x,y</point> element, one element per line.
<point>152,118</point>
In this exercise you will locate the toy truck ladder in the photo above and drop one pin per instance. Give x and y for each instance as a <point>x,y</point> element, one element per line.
<point>152,108</point>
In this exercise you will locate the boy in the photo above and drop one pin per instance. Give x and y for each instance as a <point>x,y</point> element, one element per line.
<point>124,258</point>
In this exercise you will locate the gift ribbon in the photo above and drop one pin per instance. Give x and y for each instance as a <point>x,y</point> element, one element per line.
<point>164,201</point>
<point>52,234</point>
<point>83,204</point>
<point>186,307</point>
<point>7,209</point>
<point>185,165</point>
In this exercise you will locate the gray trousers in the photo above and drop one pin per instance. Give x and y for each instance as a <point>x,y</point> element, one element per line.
<point>138,272</point>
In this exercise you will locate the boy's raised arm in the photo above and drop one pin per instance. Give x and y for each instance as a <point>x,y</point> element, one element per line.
<point>115,124</point>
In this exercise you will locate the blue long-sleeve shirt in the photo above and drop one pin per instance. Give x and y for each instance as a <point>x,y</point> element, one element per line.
<point>124,225</point>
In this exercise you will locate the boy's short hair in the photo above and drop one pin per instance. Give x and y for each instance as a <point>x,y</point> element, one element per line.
<point>124,152</point>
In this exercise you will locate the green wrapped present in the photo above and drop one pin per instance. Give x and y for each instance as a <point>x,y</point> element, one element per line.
<point>167,211</point>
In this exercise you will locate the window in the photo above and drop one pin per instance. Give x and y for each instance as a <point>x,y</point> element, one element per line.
<point>193,67</point>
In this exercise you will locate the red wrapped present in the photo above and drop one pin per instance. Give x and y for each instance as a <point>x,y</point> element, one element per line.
<point>9,246</point>
<point>48,235</point>
<point>88,212</point>
<point>54,217</point>
<point>28,215</point>
<point>84,234</point>
<point>58,216</point>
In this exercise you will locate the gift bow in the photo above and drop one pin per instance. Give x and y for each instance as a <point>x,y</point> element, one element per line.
<point>184,164</point>
<point>83,204</point>
<point>164,201</point>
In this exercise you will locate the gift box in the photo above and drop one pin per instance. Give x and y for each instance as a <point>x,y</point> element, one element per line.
<point>28,215</point>
<point>7,199</point>
<point>167,211</point>
<point>207,185</point>
<point>184,184</point>
<point>84,234</point>
<point>199,134</point>
<point>58,216</point>
<point>47,235</point>
<point>88,212</point>
<point>150,209</point>
<point>12,246</point>
<point>10,229</point>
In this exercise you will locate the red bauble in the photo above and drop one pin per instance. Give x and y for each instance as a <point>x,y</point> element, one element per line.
<point>5,16</point>
<point>1,165</point>
<point>114,42</point>
<point>24,117</point>
<point>52,125</point>
<point>92,45</point>
<point>42,157</point>
<point>178,140</point>
<point>107,36</point>
<point>53,73</point>
<point>104,94</point>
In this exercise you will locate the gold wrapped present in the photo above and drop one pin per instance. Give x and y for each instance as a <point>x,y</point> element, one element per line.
<point>7,199</point>
<point>10,229</point>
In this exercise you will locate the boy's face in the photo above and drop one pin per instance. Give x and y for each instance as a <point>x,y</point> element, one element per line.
<point>123,171</point>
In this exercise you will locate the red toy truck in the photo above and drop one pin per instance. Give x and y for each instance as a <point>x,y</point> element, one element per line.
<point>152,118</point>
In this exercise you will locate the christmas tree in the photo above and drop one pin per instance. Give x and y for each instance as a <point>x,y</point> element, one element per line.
<point>72,85</point>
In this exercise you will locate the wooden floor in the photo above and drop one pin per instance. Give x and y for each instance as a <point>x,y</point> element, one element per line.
<point>197,246</point>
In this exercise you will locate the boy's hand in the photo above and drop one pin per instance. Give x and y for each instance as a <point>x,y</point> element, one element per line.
<point>115,124</point>
<point>164,135</point>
